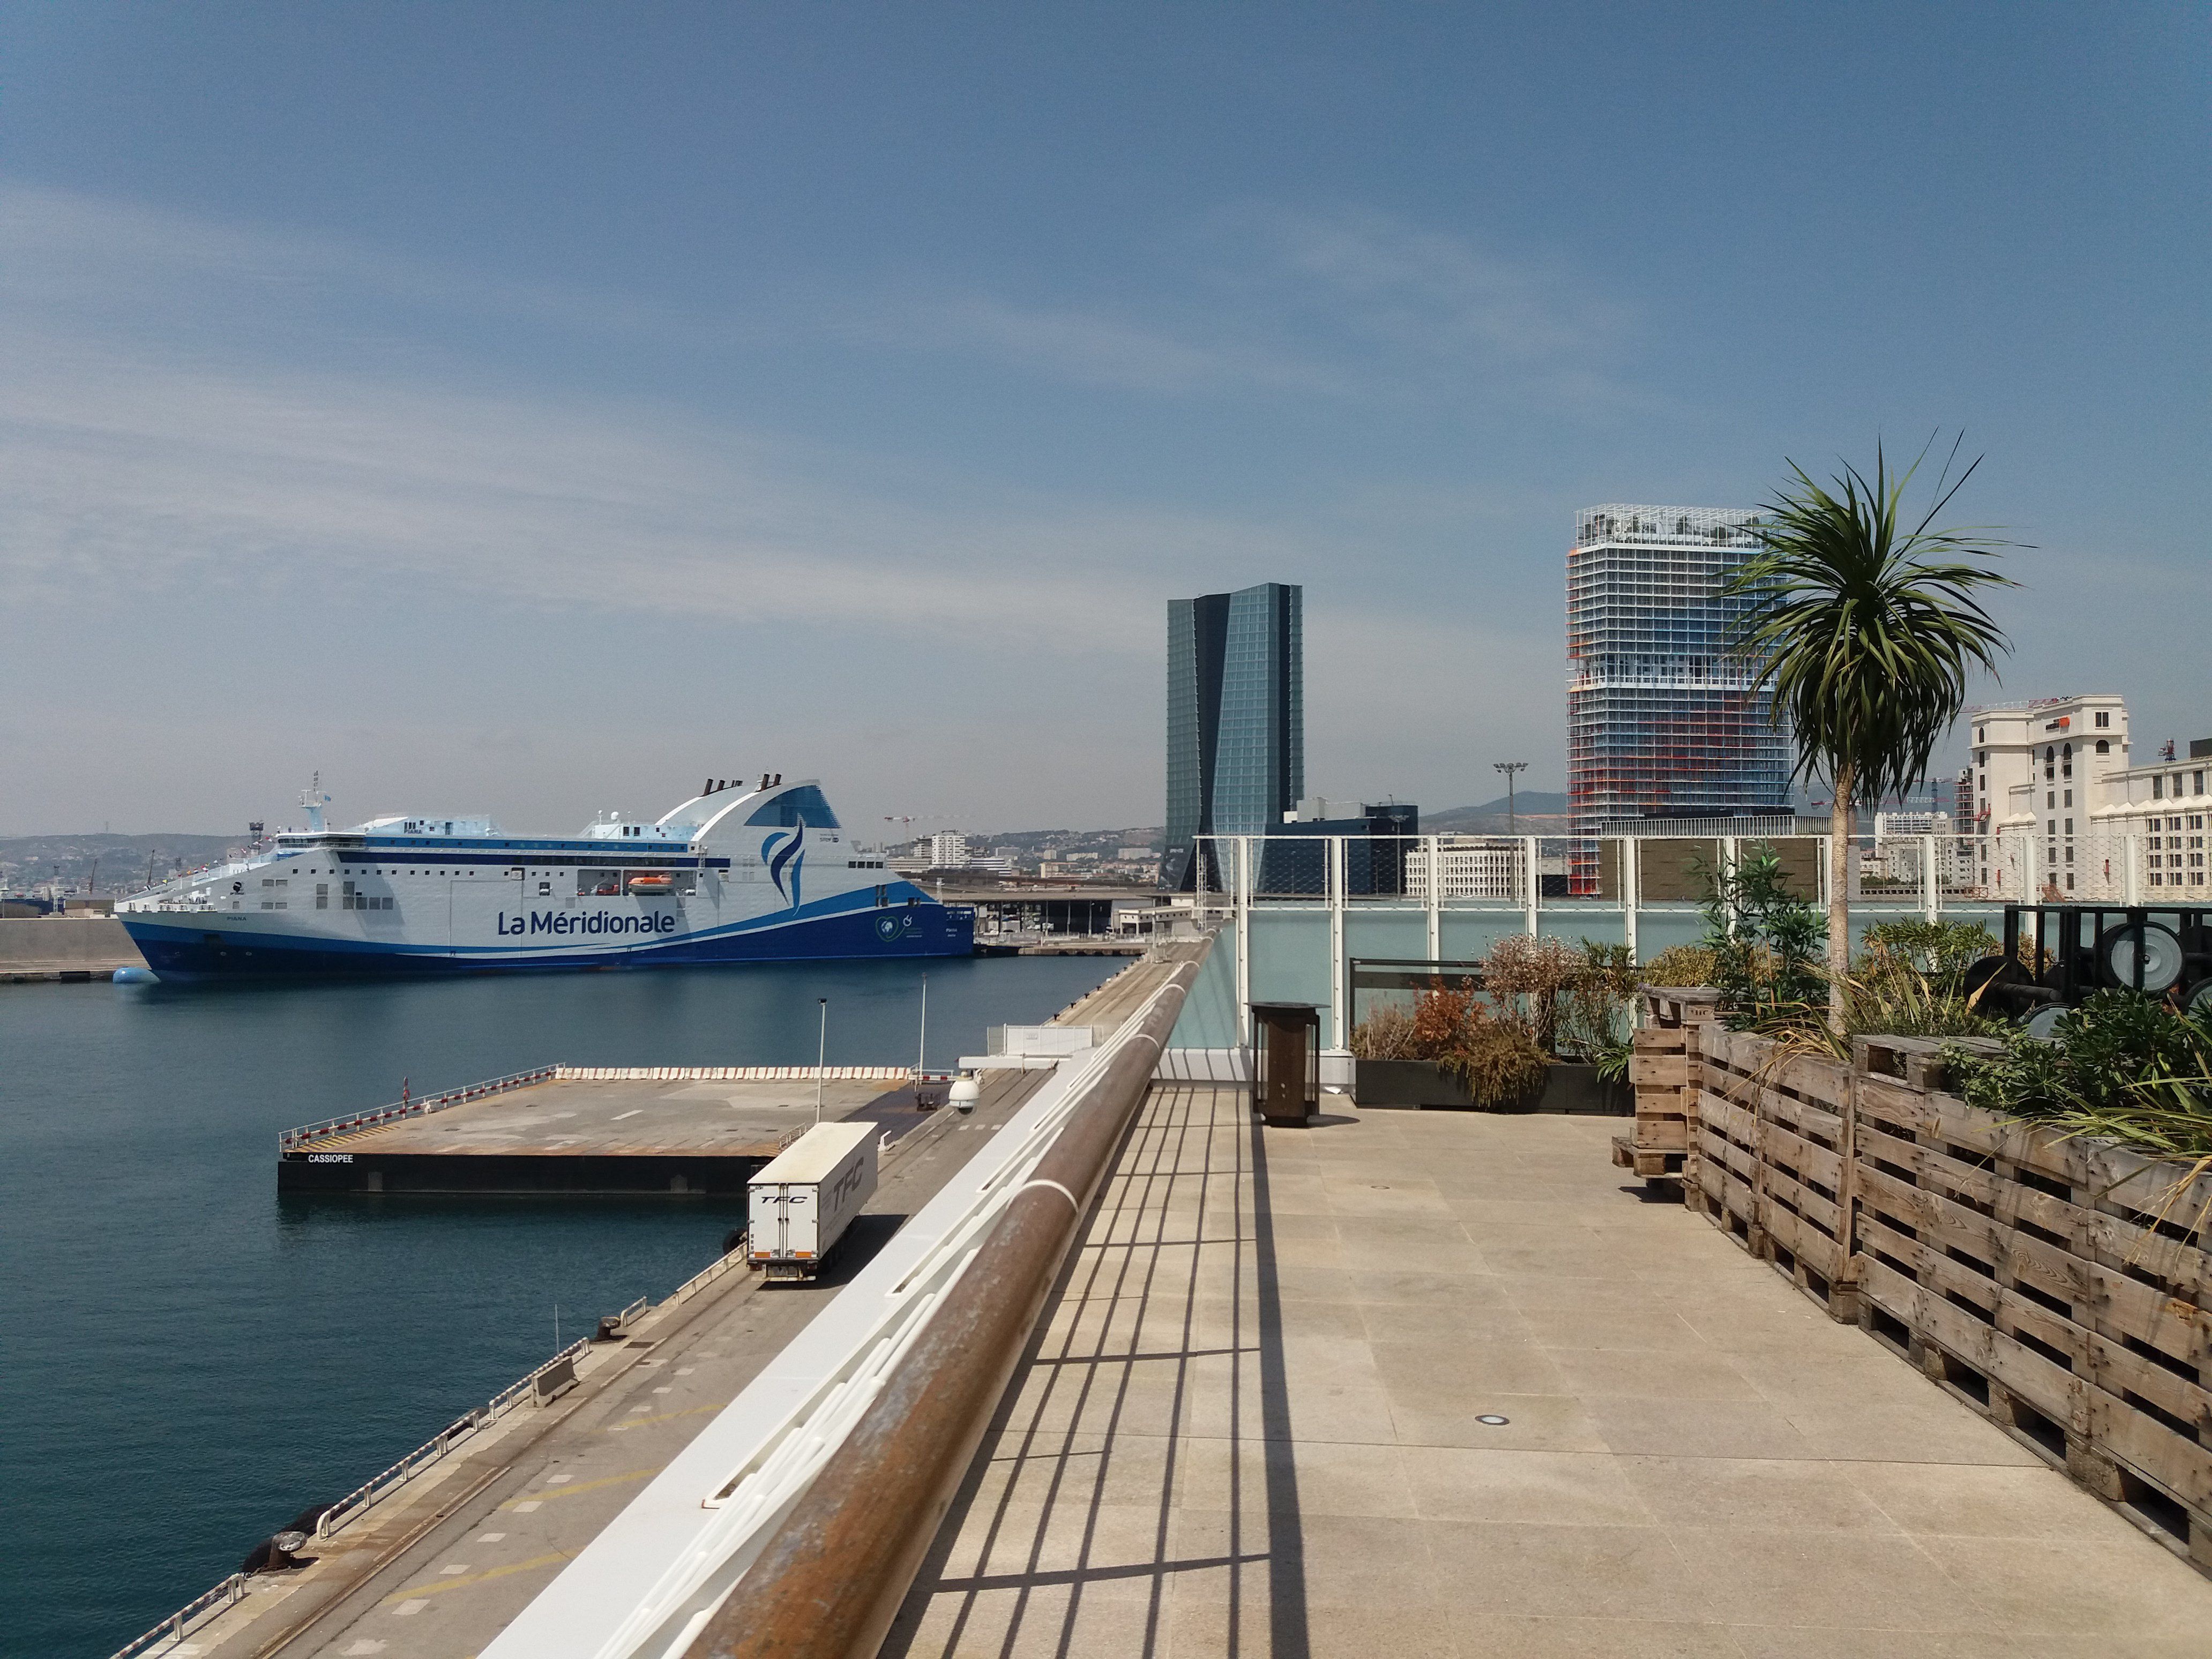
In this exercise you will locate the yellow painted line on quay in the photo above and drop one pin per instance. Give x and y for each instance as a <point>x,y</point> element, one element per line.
<point>668,1417</point>
<point>488,1574</point>
<point>582,1486</point>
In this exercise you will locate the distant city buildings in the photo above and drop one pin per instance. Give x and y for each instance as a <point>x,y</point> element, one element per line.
<point>1236,718</point>
<point>2056,805</point>
<point>1662,717</point>
<point>948,850</point>
<point>1467,867</point>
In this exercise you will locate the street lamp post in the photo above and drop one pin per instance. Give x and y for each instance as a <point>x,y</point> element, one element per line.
<point>821,1057</point>
<point>1510,768</point>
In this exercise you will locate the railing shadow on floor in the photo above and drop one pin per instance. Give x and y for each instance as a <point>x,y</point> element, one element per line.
<point>1154,1238</point>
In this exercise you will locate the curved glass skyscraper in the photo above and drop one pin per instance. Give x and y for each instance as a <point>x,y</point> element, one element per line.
<point>1236,717</point>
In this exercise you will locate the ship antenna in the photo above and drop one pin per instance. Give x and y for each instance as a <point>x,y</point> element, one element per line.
<point>314,801</point>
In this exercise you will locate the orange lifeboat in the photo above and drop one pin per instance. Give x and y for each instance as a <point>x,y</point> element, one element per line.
<point>655,883</point>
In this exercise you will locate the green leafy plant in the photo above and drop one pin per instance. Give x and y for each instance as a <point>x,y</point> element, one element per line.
<point>1495,1060</point>
<point>1943,951</point>
<point>1497,1064</point>
<point>1682,965</point>
<point>1864,627</point>
<point>2123,1066</point>
<point>1595,1015</point>
<point>1765,941</point>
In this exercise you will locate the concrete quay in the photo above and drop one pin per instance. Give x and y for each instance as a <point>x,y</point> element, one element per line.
<point>440,1565</point>
<point>437,1568</point>
<point>68,948</point>
<point>1438,1383</point>
<point>690,1131</point>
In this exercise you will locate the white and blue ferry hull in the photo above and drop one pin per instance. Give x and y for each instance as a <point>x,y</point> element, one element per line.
<point>762,875</point>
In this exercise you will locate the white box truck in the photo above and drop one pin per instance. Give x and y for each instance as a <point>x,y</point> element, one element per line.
<point>799,1205</point>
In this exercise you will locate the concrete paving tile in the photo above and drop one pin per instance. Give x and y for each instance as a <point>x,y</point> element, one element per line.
<point>1375,1197</point>
<point>1426,1286</point>
<point>2128,1588</point>
<point>1472,1319</point>
<point>1445,1256</point>
<point>1344,1560</point>
<point>1330,1477</point>
<point>1568,1488</point>
<point>1698,1375</point>
<point>1016,1622</point>
<point>1214,1625</point>
<point>1754,1494</point>
<point>1804,1642</point>
<point>1697,1428</point>
<point>1560,1260</point>
<point>1938,1430</point>
<point>2038,1646</point>
<point>1644,1327</point>
<point>1533,1423</point>
<point>1841,1580</point>
<point>1446,1374</point>
<point>1495,1637</point>
<point>1538,1570</point>
<point>1335,1411</point>
<point>1979,1500</point>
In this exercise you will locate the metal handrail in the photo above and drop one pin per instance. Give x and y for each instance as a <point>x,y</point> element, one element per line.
<point>172,1629</point>
<point>414,1106</point>
<point>833,1573</point>
<point>436,1447</point>
<point>762,1456</point>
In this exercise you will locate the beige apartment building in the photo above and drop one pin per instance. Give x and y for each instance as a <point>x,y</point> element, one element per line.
<point>2056,806</point>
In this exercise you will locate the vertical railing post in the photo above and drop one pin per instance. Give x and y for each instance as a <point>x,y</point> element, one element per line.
<point>1241,873</point>
<point>2131,869</point>
<point>1436,889</point>
<point>1631,899</point>
<point>1535,881</point>
<point>1728,872</point>
<point>1931,891</point>
<point>1337,988</point>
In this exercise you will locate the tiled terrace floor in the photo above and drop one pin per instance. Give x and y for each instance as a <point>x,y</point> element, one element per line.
<point>1253,1426</point>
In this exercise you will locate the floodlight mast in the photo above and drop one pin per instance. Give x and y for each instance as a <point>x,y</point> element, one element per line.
<point>1510,768</point>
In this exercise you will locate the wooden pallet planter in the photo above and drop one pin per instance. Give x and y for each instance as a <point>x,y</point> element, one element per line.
<point>2058,1286</point>
<point>1774,1169</point>
<point>1662,1071</point>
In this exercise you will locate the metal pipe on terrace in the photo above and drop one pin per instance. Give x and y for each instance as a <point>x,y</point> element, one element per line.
<point>831,1579</point>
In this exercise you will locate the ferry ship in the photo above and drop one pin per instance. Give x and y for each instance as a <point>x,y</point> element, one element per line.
<point>736,874</point>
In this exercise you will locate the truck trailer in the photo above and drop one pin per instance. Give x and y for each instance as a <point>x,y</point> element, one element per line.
<point>799,1205</point>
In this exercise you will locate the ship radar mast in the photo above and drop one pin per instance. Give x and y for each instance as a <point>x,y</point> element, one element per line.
<point>314,801</point>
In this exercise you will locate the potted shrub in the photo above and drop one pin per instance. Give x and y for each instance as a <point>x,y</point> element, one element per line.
<point>1448,1050</point>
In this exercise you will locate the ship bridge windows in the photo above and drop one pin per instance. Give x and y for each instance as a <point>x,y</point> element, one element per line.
<point>801,803</point>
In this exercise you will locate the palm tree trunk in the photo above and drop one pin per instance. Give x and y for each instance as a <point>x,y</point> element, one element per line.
<point>1840,824</point>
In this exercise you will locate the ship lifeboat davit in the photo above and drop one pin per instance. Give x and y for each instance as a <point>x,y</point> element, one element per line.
<point>651,884</point>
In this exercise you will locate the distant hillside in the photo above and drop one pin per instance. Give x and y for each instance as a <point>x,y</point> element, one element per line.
<point>118,863</point>
<point>1536,812</point>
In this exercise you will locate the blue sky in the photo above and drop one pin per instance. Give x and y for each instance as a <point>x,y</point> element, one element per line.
<point>536,409</point>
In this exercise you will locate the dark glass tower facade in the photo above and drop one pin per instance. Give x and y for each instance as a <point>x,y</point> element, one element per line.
<point>1236,717</point>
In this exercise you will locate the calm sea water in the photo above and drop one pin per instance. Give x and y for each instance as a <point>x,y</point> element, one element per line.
<point>186,1362</point>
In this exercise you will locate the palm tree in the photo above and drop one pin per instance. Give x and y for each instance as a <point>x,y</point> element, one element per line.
<point>1864,630</point>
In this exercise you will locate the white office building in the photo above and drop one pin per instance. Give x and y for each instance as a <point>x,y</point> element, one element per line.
<point>948,850</point>
<point>1467,867</point>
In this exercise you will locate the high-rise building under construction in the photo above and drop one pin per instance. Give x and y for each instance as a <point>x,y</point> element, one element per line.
<point>1662,720</point>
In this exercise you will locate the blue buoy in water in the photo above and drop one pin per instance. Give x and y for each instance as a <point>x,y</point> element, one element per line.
<point>135,976</point>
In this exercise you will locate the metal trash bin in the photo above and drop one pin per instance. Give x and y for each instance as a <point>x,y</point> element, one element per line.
<point>1286,1062</point>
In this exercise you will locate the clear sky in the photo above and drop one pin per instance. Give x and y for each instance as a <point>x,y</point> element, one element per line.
<point>537,409</point>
